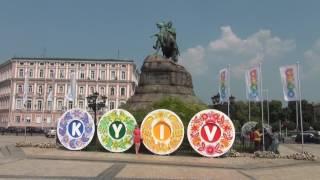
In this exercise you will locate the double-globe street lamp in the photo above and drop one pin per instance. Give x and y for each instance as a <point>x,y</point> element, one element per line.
<point>95,105</point>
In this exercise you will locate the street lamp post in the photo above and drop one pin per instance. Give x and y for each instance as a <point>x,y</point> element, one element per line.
<point>95,106</point>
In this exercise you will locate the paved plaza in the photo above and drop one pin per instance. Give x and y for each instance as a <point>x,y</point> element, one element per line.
<point>51,163</point>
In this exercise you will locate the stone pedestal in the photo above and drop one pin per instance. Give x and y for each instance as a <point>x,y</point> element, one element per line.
<point>161,77</point>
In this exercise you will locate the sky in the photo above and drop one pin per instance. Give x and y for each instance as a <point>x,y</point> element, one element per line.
<point>210,35</point>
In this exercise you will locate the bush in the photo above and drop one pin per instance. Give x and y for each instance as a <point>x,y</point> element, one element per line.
<point>183,109</point>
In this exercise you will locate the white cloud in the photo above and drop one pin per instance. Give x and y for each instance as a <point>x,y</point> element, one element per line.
<point>193,59</point>
<point>261,42</point>
<point>312,59</point>
<point>241,53</point>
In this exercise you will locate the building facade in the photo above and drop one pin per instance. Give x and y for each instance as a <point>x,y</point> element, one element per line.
<point>115,79</point>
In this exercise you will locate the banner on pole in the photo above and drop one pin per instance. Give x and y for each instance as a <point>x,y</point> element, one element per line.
<point>71,95</point>
<point>25,88</point>
<point>50,98</point>
<point>289,78</point>
<point>253,77</point>
<point>223,87</point>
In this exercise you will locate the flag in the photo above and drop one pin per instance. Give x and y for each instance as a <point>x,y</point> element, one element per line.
<point>25,88</point>
<point>289,78</point>
<point>71,95</point>
<point>253,89</point>
<point>223,87</point>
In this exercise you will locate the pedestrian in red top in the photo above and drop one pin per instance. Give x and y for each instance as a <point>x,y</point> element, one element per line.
<point>137,138</point>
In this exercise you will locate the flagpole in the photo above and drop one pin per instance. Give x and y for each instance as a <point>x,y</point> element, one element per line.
<point>249,111</point>
<point>229,90</point>
<point>25,101</point>
<point>297,117</point>
<point>268,111</point>
<point>261,95</point>
<point>301,120</point>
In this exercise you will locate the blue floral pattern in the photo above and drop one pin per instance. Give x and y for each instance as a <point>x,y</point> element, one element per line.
<point>69,141</point>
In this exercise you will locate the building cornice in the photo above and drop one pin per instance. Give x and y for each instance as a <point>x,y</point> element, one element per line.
<point>75,60</point>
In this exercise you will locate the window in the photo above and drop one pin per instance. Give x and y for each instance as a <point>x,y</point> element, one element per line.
<point>113,75</point>
<point>92,65</point>
<point>102,91</point>
<point>123,91</point>
<point>123,66</point>
<point>112,91</point>
<point>39,105</point>
<point>31,64</point>
<point>49,105</point>
<point>48,120</point>
<point>72,65</point>
<point>82,75</point>
<point>61,74</point>
<point>40,89</point>
<point>81,90</point>
<point>38,119</point>
<point>41,64</point>
<point>31,73</point>
<point>113,65</point>
<point>28,119</point>
<point>81,105</point>
<point>82,65</point>
<point>71,72</point>
<point>21,63</point>
<point>49,88</point>
<point>123,75</point>
<point>62,64</point>
<point>122,103</point>
<point>61,89</point>
<point>103,65</point>
<point>29,104</point>
<point>70,104</point>
<point>41,73</point>
<point>52,64</point>
<point>20,89</point>
<point>18,104</point>
<point>92,74</point>
<point>21,73</point>
<point>51,73</point>
<point>112,105</point>
<point>18,119</point>
<point>30,89</point>
<point>102,75</point>
<point>91,90</point>
<point>59,105</point>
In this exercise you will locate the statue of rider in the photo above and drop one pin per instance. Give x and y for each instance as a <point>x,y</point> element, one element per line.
<point>162,38</point>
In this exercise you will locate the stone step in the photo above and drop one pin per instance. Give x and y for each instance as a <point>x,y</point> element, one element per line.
<point>11,151</point>
<point>15,151</point>
<point>5,151</point>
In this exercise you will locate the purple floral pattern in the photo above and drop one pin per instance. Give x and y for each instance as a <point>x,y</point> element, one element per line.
<point>66,139</point>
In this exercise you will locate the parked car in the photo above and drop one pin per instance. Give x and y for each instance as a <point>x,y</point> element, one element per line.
<point>309,137</point>
<point>51,133</point>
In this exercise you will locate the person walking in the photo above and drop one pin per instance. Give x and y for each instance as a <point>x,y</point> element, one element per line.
<point>137,138</point>
<point>275,142</point>
<point>257,139</point>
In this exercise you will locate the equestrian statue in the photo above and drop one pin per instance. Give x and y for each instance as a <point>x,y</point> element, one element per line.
<point>166,40</point>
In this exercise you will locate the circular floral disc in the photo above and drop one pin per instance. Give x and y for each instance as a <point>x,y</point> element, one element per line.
<point>162,131</point>
<point>211,133</point>
<point>75,129</point>
<point>115,130</point>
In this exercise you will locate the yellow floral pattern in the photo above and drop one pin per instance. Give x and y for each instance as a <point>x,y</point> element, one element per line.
<point>176,137</point>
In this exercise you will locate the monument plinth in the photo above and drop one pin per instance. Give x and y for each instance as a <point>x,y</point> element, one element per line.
<point>161,77</point>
